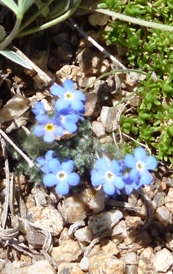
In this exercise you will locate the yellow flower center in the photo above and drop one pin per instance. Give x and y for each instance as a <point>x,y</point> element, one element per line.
<point>68,95</point>
<point>49,127</point>
<point>61,175</point>
<point>139,165</point>
<point>109,175</point>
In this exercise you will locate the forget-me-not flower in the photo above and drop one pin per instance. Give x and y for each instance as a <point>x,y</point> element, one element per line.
<point>68,96</point>
<point>140,165</point>
<point>47,161</point>
<point>61,176</point>
<point>48,128</point>
<point>67,120</point>
<point>108,175</point>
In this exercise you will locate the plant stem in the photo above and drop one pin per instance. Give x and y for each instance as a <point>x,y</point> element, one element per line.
<point>130,19</point>
<point>53,22</point>
<point>32,18</point>
<point>13,33</point>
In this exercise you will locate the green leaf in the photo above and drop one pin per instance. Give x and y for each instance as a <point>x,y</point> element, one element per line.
<point>24,5</point>
<point>10,4</point>
<point>15,58</point>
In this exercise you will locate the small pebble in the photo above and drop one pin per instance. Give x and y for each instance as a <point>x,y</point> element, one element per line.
<point>163,215</point>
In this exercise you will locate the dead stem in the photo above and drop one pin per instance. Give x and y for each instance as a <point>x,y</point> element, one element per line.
<point>7,174</point>
<point>27,159</point>
<point>90,39</point>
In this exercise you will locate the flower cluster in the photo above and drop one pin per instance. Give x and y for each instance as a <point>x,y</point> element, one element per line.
<point>58,175</point>
<point>69,109</point>
<point>114,176</point>
<point>126,175</point>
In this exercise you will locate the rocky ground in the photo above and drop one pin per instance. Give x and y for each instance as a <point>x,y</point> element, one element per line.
<point>84,232</point>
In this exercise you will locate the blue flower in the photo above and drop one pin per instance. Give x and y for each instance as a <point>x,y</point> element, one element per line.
<point>46,162</point>
<point>67,120</point>
<point>38,109</point>
<point>61,176</point>
<point>48,128</point>
<point>140,165</point>
<point>68,97</point>
<point>108,175</point>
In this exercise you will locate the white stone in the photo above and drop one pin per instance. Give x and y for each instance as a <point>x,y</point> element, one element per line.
<point>97,203</point>
<point>163,215</point>
<point>162,260</point>
<point>131,258</point>
<point>84,234</point>
<point>98,129</point>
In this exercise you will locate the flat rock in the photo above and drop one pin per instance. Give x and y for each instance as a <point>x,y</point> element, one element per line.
<point>104,221</point>
<point>47,217</point>
<point>162,260</point>
<point>74,208</point>
<point>68,251</point>
<point>103,263</point>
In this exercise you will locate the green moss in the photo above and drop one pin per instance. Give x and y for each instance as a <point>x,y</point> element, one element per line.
<point>152,51</point>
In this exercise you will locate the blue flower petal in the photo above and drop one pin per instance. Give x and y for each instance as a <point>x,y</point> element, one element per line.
<point>109,189</point>
<point>68,85</point>
<point>49,180</point>
<point>145,178</point>
<point>39,130</point>
<point>139,153</point>
<point>62,104</point>
<point>49,137</point>
<point>150,163</point>
<point>128,189</point>
<point>58,131</point>
<point>79,95</point>
<point>38,108</point>
<point>114,166</point>
<point>134,175</point>
<point>57,90</point>
<point>118,182</point>
<point>73,179</point>
<point>54,165</point>
<point>70,127</point>
<point>49,155</point>
<point>42,119</point>
<point>97,178</point>
<point>72,118</point>
<point>68,165</point>
<point>45,169</point>
<point>40,160</point>
<point>77,105</point>
<point>62,188</point>
<point>102,165</point>
<point>129,161</point>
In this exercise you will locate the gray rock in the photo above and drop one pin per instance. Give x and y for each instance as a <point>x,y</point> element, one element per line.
<point>104,221</point>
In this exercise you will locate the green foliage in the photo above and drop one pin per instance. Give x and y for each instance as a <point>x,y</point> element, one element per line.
<point>150,50</point>
<point>82,148</point>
